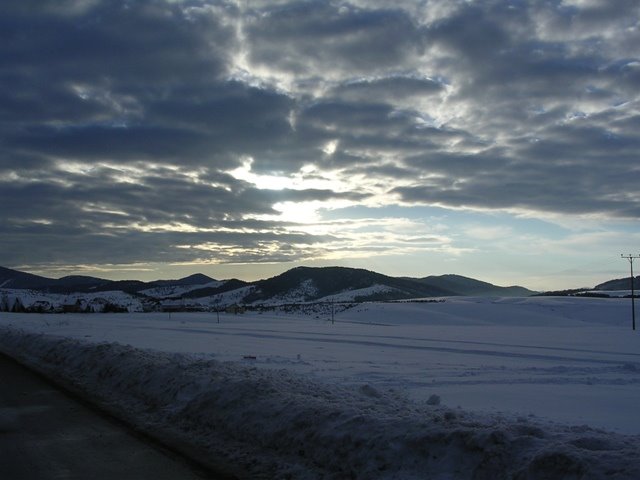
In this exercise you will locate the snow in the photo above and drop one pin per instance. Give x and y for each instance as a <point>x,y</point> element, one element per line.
<point>611,293</point>
<point>219,300</point>
<point>529,388</point>
<point>351,295</point>
<point>94,300</point>
<point>178,290</point>
<point>306,289</point>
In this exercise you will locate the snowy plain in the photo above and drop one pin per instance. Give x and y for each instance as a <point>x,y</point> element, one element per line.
<point>538,387</point>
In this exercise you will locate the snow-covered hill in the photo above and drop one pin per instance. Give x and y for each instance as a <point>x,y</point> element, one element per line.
<point>173,291</point>
<point>357,294</point>
<point>198,292</point>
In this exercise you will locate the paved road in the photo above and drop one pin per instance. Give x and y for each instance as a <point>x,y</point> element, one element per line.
<point>45,434</point>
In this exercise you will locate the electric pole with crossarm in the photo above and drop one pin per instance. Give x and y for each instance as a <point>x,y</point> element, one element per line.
<point>631,258</point>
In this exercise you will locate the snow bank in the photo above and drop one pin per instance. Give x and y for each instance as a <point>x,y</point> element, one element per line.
<point>276,424</point>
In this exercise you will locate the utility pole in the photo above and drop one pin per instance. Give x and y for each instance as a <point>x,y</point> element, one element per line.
<point>631,258</point>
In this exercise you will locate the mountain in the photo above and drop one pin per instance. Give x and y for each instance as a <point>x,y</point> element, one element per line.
<point>195,279</point>
<point>78,280</point>
<point>198,291</point>
<point>465,286</point>
<point>78,283</point>
<point>15,279</point>
<point>619,284</point>
<point>84,284</point>
<point>73,283</point>
<point>309,283</point>
<point>226,286</point>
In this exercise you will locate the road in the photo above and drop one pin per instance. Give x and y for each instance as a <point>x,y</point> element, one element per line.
<point>47,434</point>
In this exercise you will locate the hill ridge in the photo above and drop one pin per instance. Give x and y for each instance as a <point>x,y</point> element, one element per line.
<point>299,285</point>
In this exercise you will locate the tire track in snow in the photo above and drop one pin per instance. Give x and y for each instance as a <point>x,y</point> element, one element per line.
<point>443,349</point>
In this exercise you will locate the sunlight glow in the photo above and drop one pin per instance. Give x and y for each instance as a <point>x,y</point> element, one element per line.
<point>271,182</point>
<point>330,147</point>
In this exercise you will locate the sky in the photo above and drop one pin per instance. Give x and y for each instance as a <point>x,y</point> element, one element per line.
<point>158,138</point>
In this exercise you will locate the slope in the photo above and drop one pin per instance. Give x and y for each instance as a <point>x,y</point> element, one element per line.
<point>470,287</point>
<point>15,279</point>
<point>309,283</point>
<point>619,284</point>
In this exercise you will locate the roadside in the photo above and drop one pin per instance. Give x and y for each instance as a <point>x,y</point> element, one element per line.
<point>47,434</point>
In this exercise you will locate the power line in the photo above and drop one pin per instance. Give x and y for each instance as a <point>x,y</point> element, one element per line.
<point>631,258</point>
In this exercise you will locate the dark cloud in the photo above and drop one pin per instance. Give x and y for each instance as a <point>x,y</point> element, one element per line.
<point>155,198</point>
<point>122,123</point>
<point>150,43</point>
<point>62,64</point>
<point>308,36</point>
<point>84,247</point>
<point>459,166</point>
<point>532,190</point>
<point>179,129</point>
<point>375,127</point>
<point>103,142</point>
<point>389,88</point>
<point>78,82</point>
<point>473,31</point>
<point>108,211</point>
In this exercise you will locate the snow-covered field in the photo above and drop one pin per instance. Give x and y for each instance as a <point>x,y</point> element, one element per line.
<point>467,388</point>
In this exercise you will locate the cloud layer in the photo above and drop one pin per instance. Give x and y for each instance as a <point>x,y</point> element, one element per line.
<point>213,131</point>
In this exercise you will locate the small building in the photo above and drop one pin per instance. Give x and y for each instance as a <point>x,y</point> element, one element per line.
<point>97,305</point>
<point>72,307</point>
<point>41,306</point>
